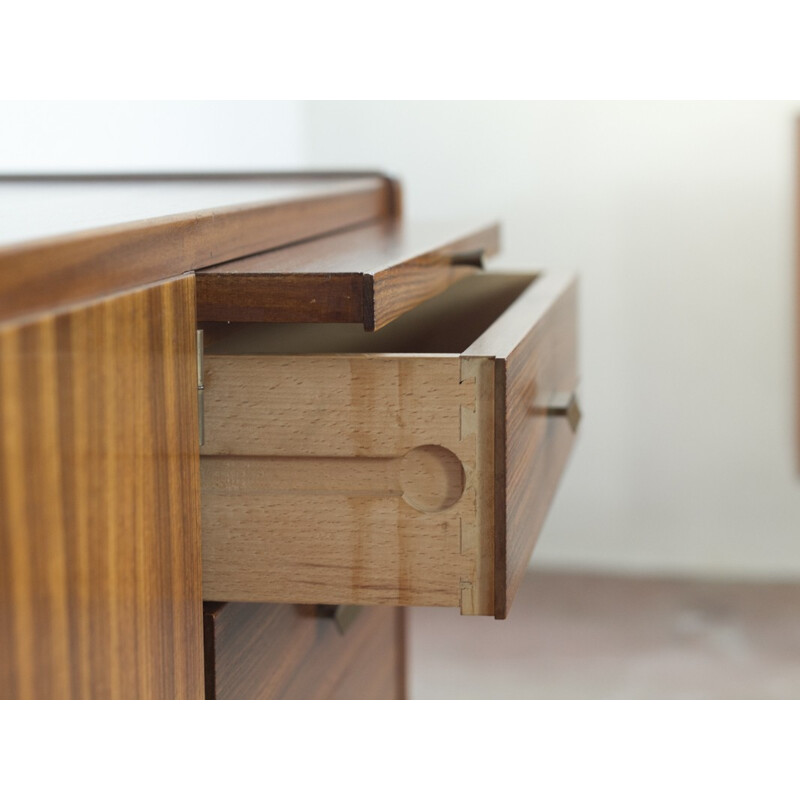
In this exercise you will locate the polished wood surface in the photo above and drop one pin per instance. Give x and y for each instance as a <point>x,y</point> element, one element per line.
<point>68,241</point>
<point>100,585</point>
<point>370,275</point>
<point>273,652</point>
<point>531,448</point>
<point>399,288</point>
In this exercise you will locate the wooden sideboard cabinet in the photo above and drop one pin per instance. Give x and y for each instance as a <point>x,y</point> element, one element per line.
<point>247,419</point>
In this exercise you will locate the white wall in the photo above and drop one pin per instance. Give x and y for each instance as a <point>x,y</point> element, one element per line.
<point>149,136</point>
<point>678,218</point>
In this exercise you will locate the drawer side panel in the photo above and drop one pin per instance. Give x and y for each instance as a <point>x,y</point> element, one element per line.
<point>99,501</point>
<point>346,479</point>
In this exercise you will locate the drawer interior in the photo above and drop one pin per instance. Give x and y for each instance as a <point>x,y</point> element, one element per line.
<point>447,323</point>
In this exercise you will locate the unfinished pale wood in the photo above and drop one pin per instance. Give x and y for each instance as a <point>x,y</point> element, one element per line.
<point>302,495</point>
<point>477,540</point>
<point>428,478</point>
<point>343,524</point>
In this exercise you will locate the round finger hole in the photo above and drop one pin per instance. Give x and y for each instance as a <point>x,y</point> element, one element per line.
<point>432,478</point>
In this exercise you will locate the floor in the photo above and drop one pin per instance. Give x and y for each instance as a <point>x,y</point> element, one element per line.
<point>582,636</point>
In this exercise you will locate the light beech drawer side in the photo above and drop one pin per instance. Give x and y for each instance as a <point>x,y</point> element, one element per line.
<point>389,478</point>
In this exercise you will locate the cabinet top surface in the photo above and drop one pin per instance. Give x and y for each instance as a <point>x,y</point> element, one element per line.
<point>34,208</point>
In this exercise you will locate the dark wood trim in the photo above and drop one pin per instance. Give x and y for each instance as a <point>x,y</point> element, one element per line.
<point>370,274</point>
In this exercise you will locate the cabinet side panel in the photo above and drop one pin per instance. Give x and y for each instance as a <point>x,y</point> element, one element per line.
<point>100,584</point>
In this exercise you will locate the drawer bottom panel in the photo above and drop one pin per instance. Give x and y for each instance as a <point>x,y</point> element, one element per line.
<point>258,651</point>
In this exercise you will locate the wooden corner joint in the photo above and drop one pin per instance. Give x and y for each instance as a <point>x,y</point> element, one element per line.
<point>476,439</point>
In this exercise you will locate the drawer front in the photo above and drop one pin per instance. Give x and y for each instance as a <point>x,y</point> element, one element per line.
<point>400,477</point>
<point>536,421</point>
<point>368,274</point>
<point>286,652</point>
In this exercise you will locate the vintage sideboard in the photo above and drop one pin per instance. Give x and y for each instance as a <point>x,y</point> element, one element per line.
<point>246,419</point>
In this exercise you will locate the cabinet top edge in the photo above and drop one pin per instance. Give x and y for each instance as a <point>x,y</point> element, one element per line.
<point>72,238</point>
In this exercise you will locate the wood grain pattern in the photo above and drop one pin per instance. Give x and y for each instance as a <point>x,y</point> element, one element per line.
<point>400,287</point>
<point>286,652</point>
<point>305,496</point>
<point>531,449</point>
<point>449,322</point>
<point>290,297</point>
<point>370,275</point>
<point>100,585</point>
<point>315,444</point>
<point>152,230</point>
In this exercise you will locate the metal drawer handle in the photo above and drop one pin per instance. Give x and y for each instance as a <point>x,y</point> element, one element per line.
<point>560,404</point>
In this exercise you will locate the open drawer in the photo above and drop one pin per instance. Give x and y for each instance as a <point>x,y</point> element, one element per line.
<point>409,466</point>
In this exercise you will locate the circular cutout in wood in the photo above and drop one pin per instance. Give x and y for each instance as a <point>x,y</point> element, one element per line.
<point>432,478</point>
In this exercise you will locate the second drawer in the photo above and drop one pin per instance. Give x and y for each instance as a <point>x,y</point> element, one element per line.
<point>411,466</point>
